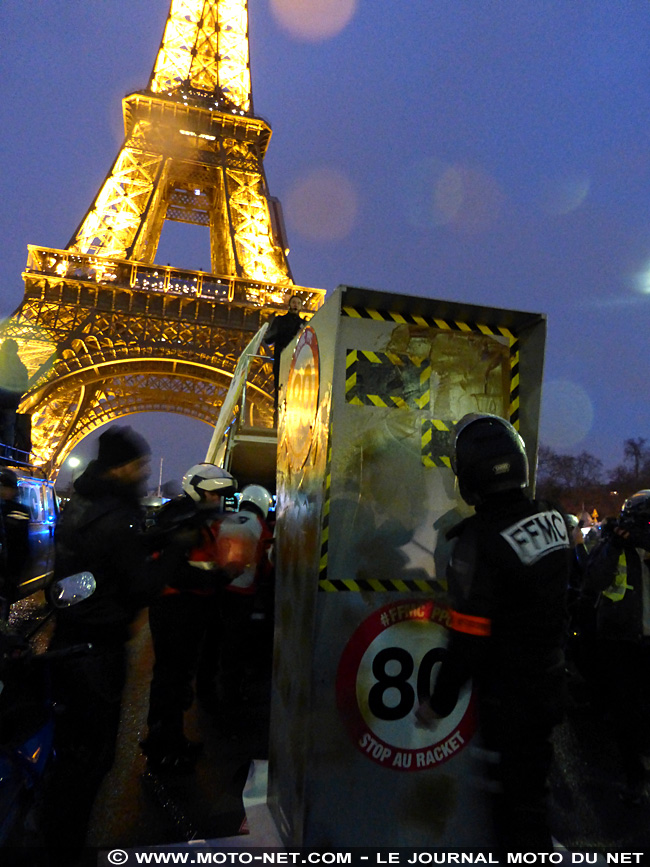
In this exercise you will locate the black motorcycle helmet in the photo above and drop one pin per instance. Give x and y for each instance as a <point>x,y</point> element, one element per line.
<point>488,457</point>
<point>635,518</point>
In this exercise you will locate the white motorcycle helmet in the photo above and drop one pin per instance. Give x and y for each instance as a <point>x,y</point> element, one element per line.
<point>258,496</point>
<point>208,477</point>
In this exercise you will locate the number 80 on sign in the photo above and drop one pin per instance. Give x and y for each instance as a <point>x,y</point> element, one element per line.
<point>387,667</point>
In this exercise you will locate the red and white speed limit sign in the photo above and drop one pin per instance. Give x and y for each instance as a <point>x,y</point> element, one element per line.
<point>390,660</point>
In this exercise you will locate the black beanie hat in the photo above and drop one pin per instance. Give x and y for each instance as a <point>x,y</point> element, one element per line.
<point>8,479</point>
<point>119,446</point>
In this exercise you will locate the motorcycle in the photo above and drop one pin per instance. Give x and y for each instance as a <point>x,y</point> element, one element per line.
<point>27,717</point>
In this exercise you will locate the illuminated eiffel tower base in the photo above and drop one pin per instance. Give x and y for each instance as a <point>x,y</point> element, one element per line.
<point>103,329</point>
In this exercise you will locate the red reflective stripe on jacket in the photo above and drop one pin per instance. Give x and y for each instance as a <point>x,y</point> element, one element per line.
<point>469,624</point>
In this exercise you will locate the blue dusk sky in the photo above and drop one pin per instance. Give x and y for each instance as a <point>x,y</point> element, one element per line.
<point>494,152</point>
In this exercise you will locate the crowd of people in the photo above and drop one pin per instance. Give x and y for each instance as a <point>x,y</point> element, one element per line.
<point>197,569</point>
<point>533,600</point>
<point>609,644</point>
<point>532,610</point>
<point>538,603</point>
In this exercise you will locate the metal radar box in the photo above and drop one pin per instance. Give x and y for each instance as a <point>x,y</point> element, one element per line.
<point>365,497</point>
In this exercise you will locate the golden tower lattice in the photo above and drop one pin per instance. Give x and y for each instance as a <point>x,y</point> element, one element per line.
<point>103,329</point>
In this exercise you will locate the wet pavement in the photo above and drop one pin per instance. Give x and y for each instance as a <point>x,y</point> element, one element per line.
<point>137,808</point>
<point>586,784</point>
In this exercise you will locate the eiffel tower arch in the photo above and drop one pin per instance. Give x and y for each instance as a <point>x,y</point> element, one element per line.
<point>102,328</point>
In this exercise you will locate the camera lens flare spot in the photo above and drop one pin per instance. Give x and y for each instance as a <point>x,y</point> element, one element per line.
<point>313,20</point>
<point>567,414</point>
<point>463,198</point>
<point>323,205</point>
<point>561,195</point>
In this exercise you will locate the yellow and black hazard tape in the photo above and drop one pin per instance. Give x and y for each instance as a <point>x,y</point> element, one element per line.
<point>386,379</point>
<point>376,586</point>
<point>325,524</point>
<point>427,321</point>
<point>514,383</point>
<point>436,442</point>
<point>418,397</point>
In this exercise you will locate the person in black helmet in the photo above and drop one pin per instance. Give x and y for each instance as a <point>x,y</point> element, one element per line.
<point>618,576</point>
<point>14,539</point>
<point>184,614</point>
<point>507,576</point>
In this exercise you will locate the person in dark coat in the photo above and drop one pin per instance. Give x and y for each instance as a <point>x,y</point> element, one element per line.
<point>14,539</point>
<point>618,577</point>
<point>14,379</point>
<point>508,577</point>
<point>99,531</point>
<point>279,334</point>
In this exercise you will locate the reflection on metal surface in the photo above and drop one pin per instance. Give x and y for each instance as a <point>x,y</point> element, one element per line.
<point>302,397</point>
<point>361,619</point>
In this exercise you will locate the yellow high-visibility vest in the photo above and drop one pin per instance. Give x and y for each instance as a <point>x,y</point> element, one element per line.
<point>616,590</point>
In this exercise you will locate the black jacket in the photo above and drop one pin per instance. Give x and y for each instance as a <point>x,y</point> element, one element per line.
<point>282,330</point>
<point>615,576</point>
<point>181,527</point>
<point>100,530</point>
<point>14,545</point>
<point>508,578</point>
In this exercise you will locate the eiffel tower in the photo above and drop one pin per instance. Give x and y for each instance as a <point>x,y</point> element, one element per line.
<point>102,328</point>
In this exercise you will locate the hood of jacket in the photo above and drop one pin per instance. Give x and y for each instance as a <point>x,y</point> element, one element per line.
<point>94,496</point>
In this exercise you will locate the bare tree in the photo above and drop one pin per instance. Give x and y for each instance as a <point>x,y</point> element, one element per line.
<point>573,481</point>
<point>569,471</point>
<point>587,471</point>
<point>637,454</point>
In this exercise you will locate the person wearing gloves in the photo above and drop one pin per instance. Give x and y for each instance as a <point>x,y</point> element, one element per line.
<point>508,578</point>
